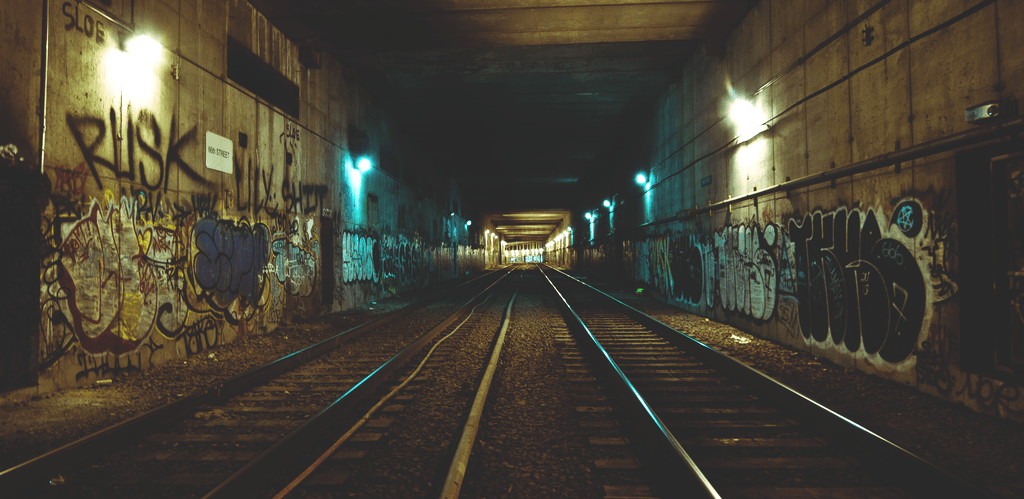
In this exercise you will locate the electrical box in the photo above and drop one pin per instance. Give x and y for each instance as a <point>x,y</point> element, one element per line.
<point>990,111</point>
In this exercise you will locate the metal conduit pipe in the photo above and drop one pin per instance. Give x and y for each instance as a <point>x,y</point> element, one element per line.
<point>947,143</point>
<point>43,75</point>
<point>943,144</point>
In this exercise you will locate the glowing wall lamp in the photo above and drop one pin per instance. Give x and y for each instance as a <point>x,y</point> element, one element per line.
<point>363,164</point>
<point>749,122</point>
<point>607,203</point>
<point>588,216</point>
<point>144,48</point>
<point>469,222</point>
<point>641,178</point>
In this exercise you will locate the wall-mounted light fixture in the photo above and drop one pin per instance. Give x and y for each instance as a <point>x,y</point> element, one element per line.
<point>144,48</point>
<point>641,178</point>
<point>607,203</point>
<point>364,164</point>
<point>588,216</point>
<point>469,222</point>
<point>748,120</point>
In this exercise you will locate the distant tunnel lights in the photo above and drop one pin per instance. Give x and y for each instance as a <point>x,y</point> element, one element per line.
<point>747,119</point>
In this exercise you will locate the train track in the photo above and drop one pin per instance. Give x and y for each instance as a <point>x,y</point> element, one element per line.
<point>229,440</point>
<point>708,426</point>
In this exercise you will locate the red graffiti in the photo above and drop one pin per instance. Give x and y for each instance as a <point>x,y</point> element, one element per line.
<point>71,182</point>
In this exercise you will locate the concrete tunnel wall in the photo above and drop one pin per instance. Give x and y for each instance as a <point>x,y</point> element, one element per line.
<point>865,273</point>
<point>147,254</point>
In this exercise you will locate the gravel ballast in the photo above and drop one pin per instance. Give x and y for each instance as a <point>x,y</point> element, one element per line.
<point>982,449</point>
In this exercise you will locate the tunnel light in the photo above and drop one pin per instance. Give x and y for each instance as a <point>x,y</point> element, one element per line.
<point>144,48</point>
<point>607,203</point>
<point>469,222</point>
<point>641,178</point>
<point>364,164</point>
<point>747,119</point>
<point>588,216</point>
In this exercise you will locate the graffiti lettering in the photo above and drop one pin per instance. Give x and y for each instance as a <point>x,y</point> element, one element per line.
<point>358,254</point>
<point>295,267</point>
<point>90,134</point>
<point>86,24</point>
<point>229,260</point>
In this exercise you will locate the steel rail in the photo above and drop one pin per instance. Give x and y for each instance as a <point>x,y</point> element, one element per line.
<point>457,471</point>
<point>676,471</point>
<point>898,464</point>
<point>254,476</point>
<point>39,470</point>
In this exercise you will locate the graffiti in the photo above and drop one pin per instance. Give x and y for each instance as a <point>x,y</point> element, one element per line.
<point>767,215</point>
<point>303,198</point>
<point>229,261</point>
<point>400,263</point>
<point>202,335</point>
<point>110,293</point>
<point>359,257</point>
<point>992,396</point>
<point>104,366</point>
<point>294,267</point>
<point>145,139</point>
<point>746,270</point>
<point>940,234</point>
<point>257,192</point>
<point>829,276</point>
<point>853,284</point>
<point>907,217</point>
<point>71,183</point>
<point>83,23</point>
<point>688,278</point>
<point>933,367</point>
<point>787,314</point>
<point>290,135</point>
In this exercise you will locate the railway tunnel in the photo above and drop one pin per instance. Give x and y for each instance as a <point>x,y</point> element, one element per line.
<point>840,178</point>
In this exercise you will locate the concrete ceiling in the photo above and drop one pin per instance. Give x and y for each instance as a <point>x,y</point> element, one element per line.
<point>526,226</point>
<point>526,103</point>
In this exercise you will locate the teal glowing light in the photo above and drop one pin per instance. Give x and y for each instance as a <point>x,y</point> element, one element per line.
<point>469,222</point>
<point>641,179</point>
<point>607,203</point>
<point>588,216</point>
<point>364,164</point>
